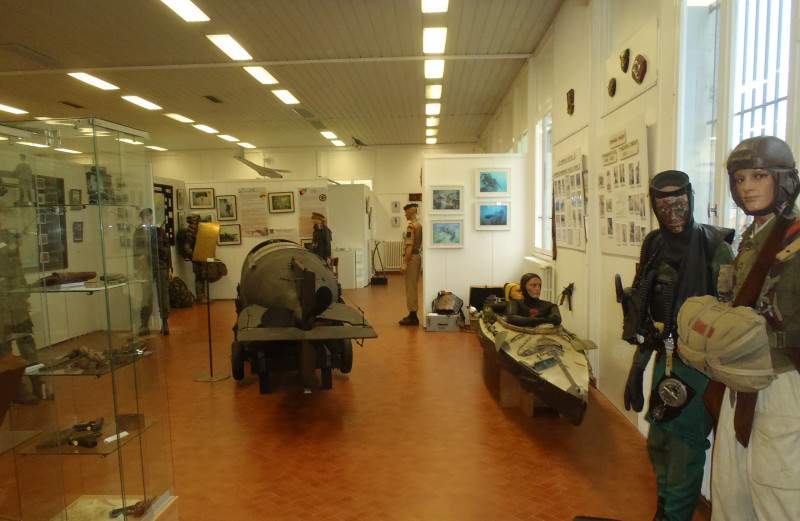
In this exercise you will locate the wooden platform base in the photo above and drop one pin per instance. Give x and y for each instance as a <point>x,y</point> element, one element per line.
<point>506,388</point>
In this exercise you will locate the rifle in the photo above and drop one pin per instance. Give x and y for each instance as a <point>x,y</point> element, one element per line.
<point>748,296</point>
<point>567,293</point>
<point>136,510</point>
<point>72,437</point>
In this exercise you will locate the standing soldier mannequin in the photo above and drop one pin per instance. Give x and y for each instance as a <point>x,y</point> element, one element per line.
<point>24,174</point>
<point>679,260</point>
<point>757,446</point>
<point>149,238</point>
<point>187,239</point>
<point>412,263</point>
<point>321,240</point>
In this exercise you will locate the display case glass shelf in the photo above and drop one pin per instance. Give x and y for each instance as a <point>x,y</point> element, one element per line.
<point>76,286</point>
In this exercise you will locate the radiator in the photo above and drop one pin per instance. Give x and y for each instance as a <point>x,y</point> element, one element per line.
<point>391,253</point>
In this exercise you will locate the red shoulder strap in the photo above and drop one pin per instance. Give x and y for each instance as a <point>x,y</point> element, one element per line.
<point>793,229</point>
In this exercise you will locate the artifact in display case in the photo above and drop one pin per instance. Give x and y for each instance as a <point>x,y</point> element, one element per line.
<point>74,447</point>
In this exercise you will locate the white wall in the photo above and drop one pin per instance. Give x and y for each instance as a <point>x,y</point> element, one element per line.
<point>488,257</point>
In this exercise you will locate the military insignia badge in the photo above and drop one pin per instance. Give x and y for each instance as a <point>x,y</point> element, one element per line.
<point>612,87</point>
<point>639,68</point>
<point>624,58</point>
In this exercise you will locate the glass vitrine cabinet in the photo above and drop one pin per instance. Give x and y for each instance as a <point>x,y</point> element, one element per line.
<point>86,432</point>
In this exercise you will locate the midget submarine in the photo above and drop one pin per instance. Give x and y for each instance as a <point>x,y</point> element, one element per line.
<point>291,316</point>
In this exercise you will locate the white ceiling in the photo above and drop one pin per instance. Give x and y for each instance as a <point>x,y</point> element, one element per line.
<point>355,65</point>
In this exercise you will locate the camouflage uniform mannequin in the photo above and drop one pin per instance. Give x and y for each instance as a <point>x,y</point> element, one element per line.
<point>757,472</point>
<point>679,260</point>
<point>149,239</point>
<point>23,173</point>
<point>187,240</point>
<point>15,318</point>
<point>412,263</point>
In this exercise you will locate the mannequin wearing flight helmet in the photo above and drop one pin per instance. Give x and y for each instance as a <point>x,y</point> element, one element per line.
<point>678,260</point>
<point>757,445</point>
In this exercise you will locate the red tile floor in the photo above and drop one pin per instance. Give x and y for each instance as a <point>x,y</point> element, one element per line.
<point>411,434</point>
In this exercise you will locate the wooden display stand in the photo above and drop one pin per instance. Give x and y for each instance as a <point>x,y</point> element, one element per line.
<point>506,388</point>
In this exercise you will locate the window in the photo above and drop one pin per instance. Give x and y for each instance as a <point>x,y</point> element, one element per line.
<point>543,186</point>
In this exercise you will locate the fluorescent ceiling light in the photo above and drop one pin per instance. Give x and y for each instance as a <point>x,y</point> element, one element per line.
<point>338,142</point>
<point>433,109</point>
<point>94,82</point>
<point>431,122</point>
<point>261,74</point>
<point>6,108</point>
<point>153,147</point>
<point>433,91</point>
<point>434,69</point>
<point>434,6</point>
<point>178,117</point>
<point>246,145</point>
<point>32,144</point>
<point>430,141</point>
<point>431,131</point>
<point>286,97</point>
<point>328,134</point>
<point>129,141</point>
<point>68,150</point>
<point>136,100</point>
<point>187,10</point>
<point>229,46</point>
<point>226,137</point>
<point>206,128</point>
<point>433,40</point>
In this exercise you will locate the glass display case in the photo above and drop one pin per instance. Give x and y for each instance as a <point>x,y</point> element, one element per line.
<point>85,430</point>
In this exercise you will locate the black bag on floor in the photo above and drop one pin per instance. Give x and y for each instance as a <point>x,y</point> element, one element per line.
<point>179,294</point>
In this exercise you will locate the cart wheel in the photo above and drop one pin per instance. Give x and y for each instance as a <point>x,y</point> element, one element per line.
<point>346,356</point>
<point>237,360</point>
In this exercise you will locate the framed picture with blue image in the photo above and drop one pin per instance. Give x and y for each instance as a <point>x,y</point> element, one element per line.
<point>447,234</point>
<point>493,182</point>
<point>492,215</point>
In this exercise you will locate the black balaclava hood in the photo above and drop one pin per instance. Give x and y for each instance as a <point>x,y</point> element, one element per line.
<point>674,245</point>
<point>529,300</point>
<point>772,155</point>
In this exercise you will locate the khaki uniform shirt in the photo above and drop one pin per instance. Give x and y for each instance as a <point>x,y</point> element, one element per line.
<point>413,235</point>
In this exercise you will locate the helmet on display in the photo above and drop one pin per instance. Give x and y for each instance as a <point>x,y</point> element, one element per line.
<point>772,155</point>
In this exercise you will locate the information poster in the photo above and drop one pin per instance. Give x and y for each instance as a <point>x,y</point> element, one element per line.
<point>253,212</point>
<point>569,201</point>
<point>622,188</point>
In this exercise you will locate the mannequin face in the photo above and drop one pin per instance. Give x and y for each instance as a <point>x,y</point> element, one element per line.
<point>534,287</point>
<point>516,292</point>
<point>673,212</point>
<point>756,188</point>
<point>411,212</point>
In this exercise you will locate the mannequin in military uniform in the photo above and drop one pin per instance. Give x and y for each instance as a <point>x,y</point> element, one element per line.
<point>149,238</point>
<point>24,174</point>
<point>757,451</point>
<point>678,260</point>
<point>15,318</point>
<point>412,263</point>
<point>187,239</point>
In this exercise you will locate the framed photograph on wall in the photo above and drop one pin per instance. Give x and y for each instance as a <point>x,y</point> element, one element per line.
<point>492,215</point>
<point>226,208</point>
<point>447,234</point>
<point>206,217</point>
<point>229,234</point>
<point>75,197</point>
<point>447,199</point>
<point>281,202</point>
<point>395,206</point>
<point>181,196</point>
<point>492,182</point>
<point>200,198</point>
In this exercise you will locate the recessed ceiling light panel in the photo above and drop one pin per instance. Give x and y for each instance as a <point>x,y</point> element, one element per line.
<point>338,142</point>
<point>178,117</point>
<point>430,141</point>
<point>285,96</point>
<point>94,82</point>
<point>433,40</point>
<point>434,69</point>
<point>246,145</point>
<point>228,138</point>
<point>433,91</point>
<point>261,74</point>
<point>229,46</point>
<point>431,122</point>
<point>433,109</point>
<point>206,128</point>
<point>328,134</point>
<point>434,6</point>
<point>153,147</point>
<point>430,132</point>
<point>12,110</point>
<point>187,10</point>
<point>136,100</point>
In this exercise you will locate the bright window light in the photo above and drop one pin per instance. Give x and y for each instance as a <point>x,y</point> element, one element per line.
<point>430,141</point>
<point>433,109</point>
<point>431,122</point>
<point>94,82</point>
<point>206,128</point>
<point>6,108</point>
<point>153,147</point>
<point>433,91</point>
<point>328,134</point>
<point>434,6</point>
<point>261,74</point>
<point>136,100</point>
<point>226,137</point>
<point>286,97</point>
<point>246,145</point>
<point>178,117</point>
<point>699,3</point>
<point>229,46</point>
<point>338,142</point>
<point>67,151</point>
<point>431,131</point>
<point>434,69</point>
<point>433,40</point>
<point>186,10</point>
